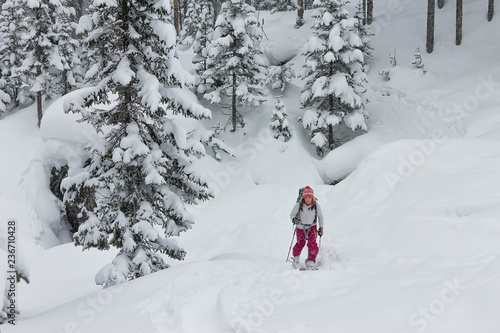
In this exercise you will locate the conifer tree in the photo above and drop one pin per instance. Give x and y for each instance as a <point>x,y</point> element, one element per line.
<point>4,98</point>
<point>280,76</point>
<point>363,32</point>
<point>279,123</point>
<point>201,42</point>
<point>69,63</point>
<point>142,174</point>
<point>12,29</point>
<point>418,62</point>
<point>46,21</point>
<point>282,6</point>
<point>192,22</point>
<point>386,73</point>
<point>334,76</point>
<point>235,67</point>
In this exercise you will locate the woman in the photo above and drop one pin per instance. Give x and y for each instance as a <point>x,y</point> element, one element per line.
<point>305,214</point>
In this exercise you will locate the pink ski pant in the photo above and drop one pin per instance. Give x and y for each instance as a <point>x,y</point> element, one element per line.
<point>311,243</point>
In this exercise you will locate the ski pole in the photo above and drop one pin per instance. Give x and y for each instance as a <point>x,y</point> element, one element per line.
<point>294,230</point>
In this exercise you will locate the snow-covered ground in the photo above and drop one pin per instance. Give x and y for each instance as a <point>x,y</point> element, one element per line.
<point>411,233</point>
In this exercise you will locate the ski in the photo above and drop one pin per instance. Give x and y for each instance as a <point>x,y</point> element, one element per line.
<point>301,268</point>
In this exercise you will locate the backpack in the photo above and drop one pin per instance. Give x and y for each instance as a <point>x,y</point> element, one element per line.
<point>301,191</point>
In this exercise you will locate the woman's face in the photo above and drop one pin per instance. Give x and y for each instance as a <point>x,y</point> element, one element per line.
<point>308,200</point>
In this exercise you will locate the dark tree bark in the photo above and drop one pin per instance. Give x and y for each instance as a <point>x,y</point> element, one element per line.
<point>300,13</point>
<point>440,4</point>
<point>234,111</point>
<point>364,12</point>
<point>176,16</point>
<point>491,7</point>
<point>459,22</point>
<point>39,107</point>
<point>369,12</point>
<point>431,4</point>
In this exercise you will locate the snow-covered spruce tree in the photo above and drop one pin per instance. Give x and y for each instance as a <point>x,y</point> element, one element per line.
<point>235,67</point>
<point>201,42</point>
<point>45,62</point>
<point>280,76</point>
<point>199,22</point>
<point>279,123</point>
<point>386,73</point>
<point>4,98</point>
<point>191,22</point>
<point>418,62</point>
<point>12,29</point>
<point>69,63</point>
<point>334,77</point>
<point>363,33</point>
<point>210,139</point>
<point>262,4</point>
<point>142,173</point>
<point>282,6</point>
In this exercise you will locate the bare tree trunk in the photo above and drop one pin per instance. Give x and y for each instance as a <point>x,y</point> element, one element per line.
<point>364,12</point>
<point>440,4</point>
<point>66,84</point>
<point>39,99</point>
<point>491,8</point>
<point>459,22</point>
<point>216,10</point>
<point>176,16</point>
<point>300,13</point>
<point>431,4</point>
<point>234,111</point>
<point>369,12</point>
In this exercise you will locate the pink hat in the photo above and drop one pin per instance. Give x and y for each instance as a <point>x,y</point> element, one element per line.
<point>308,193</point>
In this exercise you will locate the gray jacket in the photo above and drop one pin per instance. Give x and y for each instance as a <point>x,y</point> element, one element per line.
<point>306,215</point>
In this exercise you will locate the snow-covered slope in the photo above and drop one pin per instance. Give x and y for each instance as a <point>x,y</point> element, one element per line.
<point>411,233</point>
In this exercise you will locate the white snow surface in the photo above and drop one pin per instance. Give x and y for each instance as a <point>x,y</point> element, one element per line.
<point>411,232</point>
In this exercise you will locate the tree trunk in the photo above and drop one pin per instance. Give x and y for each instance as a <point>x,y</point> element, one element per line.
<point>491,5</point>
<point>176,16</point>
<point>431,4</point>
<point>440,4</point>
<point>300,13</point>
<point>184,11</point>
<point>459,22</point>
<point>234,111</point>
<point>369,12</point>
<point>364,12</point>
<point>39,99</point>
<point>330,127</point>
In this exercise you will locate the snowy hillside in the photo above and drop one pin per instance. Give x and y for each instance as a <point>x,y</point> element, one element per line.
<point>411,231</point>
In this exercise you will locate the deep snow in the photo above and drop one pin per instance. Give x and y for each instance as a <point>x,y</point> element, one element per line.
<point>411,233</point>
